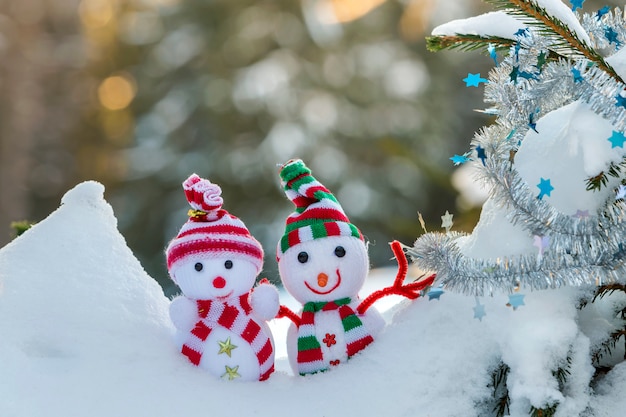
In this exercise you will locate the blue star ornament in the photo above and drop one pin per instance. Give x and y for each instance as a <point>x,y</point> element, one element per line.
<point>516,300</point>
<point>532,123</point>
<point>459,159</point>
<point>480,154</point>
<point>602,12</point>
<point>545,188</point>
<point>578,78</point>
<point>492,53</point>
<point>474,80</point>
<point>479,310</point>
<point>581,214</point>
<point>611,36</point>
<point>514,74</point>
<point>620,101</point>
<point>577,4</point>
<point>617,139</point>
<point>435,293</point>
<point>527,75</point>
<point>521,32</point>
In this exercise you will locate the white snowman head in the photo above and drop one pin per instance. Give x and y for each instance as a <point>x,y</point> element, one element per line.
<point>213,256</point>
<point>321,256</point>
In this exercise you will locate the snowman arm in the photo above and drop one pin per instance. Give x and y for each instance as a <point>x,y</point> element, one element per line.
<point>285,311</point>
<point>183,313</point>
<point>410,290</point>
<point>264,300</point>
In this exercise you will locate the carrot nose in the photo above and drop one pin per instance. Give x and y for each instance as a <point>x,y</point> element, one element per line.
<point>322,279</point>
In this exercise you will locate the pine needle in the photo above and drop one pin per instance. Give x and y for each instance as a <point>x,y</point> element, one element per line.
<point>465,42</point>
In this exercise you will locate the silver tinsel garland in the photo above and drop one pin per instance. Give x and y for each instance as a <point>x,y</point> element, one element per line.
<point>522,89</point>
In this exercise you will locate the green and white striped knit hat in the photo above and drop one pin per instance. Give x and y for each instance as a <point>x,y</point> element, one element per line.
<point>318,214</point>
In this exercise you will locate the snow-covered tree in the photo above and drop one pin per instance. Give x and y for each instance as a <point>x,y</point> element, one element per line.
<point>554,164</point>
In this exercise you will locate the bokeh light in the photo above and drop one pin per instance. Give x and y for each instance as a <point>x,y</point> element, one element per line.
<point>117,92</point>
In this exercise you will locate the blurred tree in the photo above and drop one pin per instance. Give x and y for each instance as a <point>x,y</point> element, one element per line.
<point>42,55</point>
<point>138,94</point>
<point>228,89</point>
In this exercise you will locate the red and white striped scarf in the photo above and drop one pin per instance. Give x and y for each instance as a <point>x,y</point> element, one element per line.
<point>310,355</point>
<point>235,318</point>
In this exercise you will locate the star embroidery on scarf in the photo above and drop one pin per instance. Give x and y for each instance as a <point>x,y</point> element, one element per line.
<point>231,373</point>
<point>226,347</point>
<point>329,340</point>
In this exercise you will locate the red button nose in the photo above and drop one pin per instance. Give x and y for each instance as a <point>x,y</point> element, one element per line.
<point>219,282</point>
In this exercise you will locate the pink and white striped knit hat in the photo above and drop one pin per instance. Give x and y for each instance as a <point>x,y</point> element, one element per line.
<point>211,230</point>
<point>318,214</point>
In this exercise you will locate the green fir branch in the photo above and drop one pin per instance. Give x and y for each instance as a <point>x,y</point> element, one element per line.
<point>608,289</point>
<point>606,347</point>
<point>500,390</point>
<point>563,372</point>
<point>548,411</point>
<point>560,374</point>
<point>564,38</point>
<point>466,42</point>
<point>596,182</point>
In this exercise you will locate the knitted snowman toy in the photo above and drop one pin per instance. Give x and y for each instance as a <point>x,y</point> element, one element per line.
<point>323,263</point>
<point>220,322</point>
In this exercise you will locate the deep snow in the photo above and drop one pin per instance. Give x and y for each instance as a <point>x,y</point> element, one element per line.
<point>85,331</point>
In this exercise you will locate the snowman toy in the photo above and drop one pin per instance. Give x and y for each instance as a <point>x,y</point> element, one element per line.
<point>323,263</point>
<point>220,321</point>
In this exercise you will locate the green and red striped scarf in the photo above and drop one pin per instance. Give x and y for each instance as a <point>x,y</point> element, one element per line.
<point>310,356</point>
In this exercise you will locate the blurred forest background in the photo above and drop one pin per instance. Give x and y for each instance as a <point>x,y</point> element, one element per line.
<point>138,94</point>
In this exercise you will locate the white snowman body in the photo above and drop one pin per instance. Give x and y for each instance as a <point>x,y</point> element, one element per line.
<point>324,270</point>
<point>225,281</point>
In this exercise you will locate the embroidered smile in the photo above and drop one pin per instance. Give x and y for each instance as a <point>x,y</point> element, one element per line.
<point>225,297</point>
<point>322,281</point>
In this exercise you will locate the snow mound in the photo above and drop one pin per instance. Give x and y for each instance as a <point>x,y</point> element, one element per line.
<point>571,144</point>
<point>85,331</point>
<point>78,314</point>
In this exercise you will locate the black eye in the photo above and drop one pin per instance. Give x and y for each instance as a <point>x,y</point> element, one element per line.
<point>303,257</point>
<point>340,252</point>
<point>198,266</point>
<point>228,264</point>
